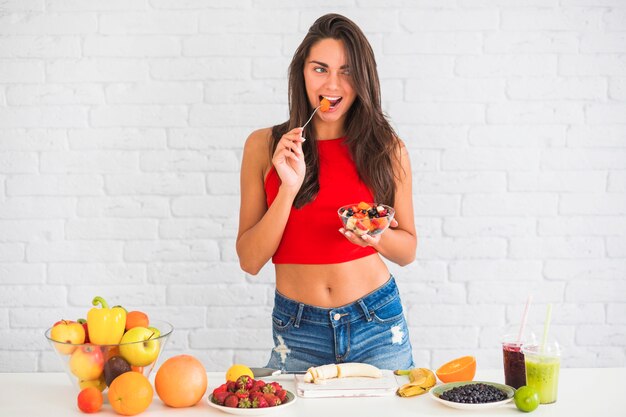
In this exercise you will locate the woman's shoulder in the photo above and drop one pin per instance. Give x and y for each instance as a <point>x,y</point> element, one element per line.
<point>258,139</point>
<point>399,146</point>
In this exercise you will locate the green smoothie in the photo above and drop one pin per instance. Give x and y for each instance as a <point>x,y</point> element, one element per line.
<point>542,373</point>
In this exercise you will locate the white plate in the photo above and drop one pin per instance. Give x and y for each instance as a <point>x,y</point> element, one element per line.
<point>253,411</point>
<point>435,392</point>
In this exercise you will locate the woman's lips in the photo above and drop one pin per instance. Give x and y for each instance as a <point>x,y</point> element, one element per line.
<point>333,100</point>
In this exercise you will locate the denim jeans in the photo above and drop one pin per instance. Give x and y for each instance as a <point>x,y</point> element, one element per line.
<point>370,330</point>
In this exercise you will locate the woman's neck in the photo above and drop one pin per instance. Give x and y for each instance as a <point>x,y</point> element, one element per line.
<point>333,130</point>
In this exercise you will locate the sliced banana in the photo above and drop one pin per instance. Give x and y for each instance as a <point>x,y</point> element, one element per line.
<point>341,370</point>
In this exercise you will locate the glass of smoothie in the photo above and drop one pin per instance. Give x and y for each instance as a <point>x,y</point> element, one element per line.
<point>513,360</point>
<point>542,370</point>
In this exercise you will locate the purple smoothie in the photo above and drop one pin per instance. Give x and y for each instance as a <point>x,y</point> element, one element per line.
<point>514,365</point>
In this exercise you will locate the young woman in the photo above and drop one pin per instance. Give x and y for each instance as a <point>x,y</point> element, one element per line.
<point>335,300</point>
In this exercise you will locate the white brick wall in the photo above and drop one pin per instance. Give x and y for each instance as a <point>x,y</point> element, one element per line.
<point>122,124</point>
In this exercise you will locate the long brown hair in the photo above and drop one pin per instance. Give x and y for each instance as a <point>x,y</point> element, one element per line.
<point>370,138</point>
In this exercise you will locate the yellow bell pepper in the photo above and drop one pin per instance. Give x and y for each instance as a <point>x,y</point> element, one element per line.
<point>106,325</point>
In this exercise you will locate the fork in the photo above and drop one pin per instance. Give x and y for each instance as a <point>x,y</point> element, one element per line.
<point>312,114</point>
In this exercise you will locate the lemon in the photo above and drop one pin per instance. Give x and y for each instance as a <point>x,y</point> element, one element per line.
<point>236,371</point>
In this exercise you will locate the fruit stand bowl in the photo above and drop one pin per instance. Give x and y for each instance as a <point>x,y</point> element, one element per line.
<point>366,218</point>
<point>88,364</point>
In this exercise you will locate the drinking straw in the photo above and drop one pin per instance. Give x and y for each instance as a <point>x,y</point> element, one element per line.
<point>546,326</point>
<point>524,317</point>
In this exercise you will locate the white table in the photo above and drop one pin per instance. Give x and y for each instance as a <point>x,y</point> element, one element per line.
<point>582,392</point>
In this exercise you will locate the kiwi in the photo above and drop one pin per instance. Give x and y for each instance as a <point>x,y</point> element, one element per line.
<point>115,367</point>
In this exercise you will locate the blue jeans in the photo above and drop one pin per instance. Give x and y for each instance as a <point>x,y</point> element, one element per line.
<point>371,330</point>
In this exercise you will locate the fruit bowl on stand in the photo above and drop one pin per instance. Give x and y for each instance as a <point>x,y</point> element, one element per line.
<point>366,218</point>
<point>88,364</point>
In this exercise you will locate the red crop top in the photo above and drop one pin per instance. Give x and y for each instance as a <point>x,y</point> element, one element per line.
<point>311,235</point>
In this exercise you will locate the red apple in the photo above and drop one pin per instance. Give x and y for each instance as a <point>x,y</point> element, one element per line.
<point>83,322</point>
<point>87,362</point>
<point>67,333</point>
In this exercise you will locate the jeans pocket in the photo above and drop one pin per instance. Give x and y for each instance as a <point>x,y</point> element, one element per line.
<point>282,322</point>
<point>388,313</point>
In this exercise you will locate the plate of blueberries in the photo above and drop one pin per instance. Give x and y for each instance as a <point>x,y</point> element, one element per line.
<point>473,395</point>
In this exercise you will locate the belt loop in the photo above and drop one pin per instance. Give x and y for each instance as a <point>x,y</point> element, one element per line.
<point>365,310</point>
<point>296,324</point>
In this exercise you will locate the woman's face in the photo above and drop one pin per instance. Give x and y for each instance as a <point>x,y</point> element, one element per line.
<point>327,75</point>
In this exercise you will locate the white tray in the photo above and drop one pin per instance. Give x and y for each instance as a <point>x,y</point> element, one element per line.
<point>348,387</point>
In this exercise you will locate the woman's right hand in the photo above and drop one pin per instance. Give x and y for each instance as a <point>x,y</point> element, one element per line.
<point>288,159</point>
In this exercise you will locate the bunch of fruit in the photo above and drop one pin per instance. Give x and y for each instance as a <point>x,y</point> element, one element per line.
<point>247,392</point>
<point>111,348</point>
<point>366,218</point>
<point>110,342</point>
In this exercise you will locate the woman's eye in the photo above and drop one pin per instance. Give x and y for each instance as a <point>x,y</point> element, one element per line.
<point>319,69</point>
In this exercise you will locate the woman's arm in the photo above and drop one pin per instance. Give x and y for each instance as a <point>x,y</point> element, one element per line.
<point>261,227</point>
<point>399,243</point>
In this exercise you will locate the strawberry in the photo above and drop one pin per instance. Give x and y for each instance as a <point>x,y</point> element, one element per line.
<point>272,400</point>
<point>231,401</point>
<point>244,403</point>
<point>221,388</point>
<point>361,225</point>
<point>268,389</point>
<point>231,386</point>
<point>258,385</point>
<point>260,402</point>
<point>244,382</point>
<point>255,395</point>
<point>282,395</point>
<point>220,396</point>
<point>276,386</point>
<point>242,393</point>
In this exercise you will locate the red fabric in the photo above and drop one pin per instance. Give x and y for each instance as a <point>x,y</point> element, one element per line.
<point>311,235</point>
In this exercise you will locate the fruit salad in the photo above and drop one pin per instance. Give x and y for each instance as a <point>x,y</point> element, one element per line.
<point>366,218</point>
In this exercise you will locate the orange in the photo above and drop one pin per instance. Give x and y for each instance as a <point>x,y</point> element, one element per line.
<point>238,370</point>
<point>181,381</point>
<point>459,369</point>
<point>136,319</point>
<point>130,393</point>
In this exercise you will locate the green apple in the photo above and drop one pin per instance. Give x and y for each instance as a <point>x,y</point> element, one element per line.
<point>67,333</point>
<point>87,362</point>
<point>138,346</point>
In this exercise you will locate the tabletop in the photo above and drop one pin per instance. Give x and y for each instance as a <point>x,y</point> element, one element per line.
<point>582,392</point>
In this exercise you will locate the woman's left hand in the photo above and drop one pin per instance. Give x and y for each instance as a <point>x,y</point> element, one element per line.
<point>364,240</point>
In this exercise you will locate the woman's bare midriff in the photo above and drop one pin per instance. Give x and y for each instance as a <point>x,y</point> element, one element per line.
<point>331,285</point>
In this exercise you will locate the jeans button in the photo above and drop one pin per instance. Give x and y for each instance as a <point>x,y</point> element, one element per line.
<point>337,316</point>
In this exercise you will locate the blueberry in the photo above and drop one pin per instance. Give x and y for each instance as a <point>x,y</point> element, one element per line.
<point>474,394</point>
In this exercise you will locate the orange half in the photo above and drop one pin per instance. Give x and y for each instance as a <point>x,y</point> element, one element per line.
<point>457,370</point>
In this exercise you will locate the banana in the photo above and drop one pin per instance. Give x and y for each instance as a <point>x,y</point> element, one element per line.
<point>341,370</point>
<point>421,380</point>
<point>409,390</point>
